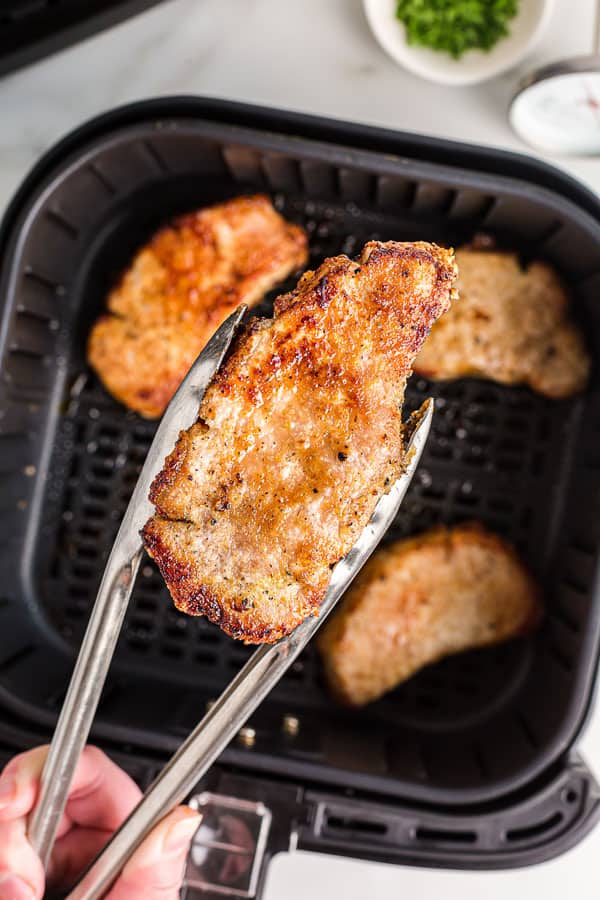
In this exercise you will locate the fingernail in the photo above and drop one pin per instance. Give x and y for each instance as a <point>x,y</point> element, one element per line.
<point>181,833</point>
<point>14,888</point>
<point>8,790</point>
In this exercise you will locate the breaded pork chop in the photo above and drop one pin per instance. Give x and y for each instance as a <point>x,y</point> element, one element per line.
<point>510,325</point>
<point>180,288</point>
<point>297,437</point>
<point>420,599</point>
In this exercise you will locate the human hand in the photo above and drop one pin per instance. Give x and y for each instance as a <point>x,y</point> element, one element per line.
<point>101,797</point>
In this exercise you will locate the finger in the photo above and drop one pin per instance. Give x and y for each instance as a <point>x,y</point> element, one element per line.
<point>21,872</point>
<point>102,795</point>
<point>74,852</point>
<point>19,781</point>
<point>156,869</point>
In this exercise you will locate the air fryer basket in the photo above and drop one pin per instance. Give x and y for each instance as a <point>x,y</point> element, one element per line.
<point>468,730</point>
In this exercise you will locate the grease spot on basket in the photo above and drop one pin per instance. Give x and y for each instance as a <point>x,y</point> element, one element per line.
<point>424,477</point>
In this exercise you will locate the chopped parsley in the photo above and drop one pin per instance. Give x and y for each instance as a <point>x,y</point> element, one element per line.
<point>455,26</point>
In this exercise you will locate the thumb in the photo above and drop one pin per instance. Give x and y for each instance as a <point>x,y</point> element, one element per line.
<point>156,869</point>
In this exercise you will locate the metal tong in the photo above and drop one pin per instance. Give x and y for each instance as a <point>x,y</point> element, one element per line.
<point>247,690</point>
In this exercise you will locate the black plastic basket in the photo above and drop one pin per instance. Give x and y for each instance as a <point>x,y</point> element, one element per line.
<point>484,730</point>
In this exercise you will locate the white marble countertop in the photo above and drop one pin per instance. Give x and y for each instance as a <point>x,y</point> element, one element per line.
<point>315,56</point>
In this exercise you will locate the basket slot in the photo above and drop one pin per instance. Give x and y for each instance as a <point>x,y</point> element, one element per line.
<point>124,167</point>
<point>566,617</point>
<point>561,666</point>
<point>361,827</point>
<point>583,547</point>
<point>44,278</point>
<point>318,180</point>
<point>431,198</point>
<point>470,205</point>
<point>181,154</point>
<point>536,830</point>
<point>589,289</point>
<point>444,836</point>
<point>574,251</point>
<point>97,172</point>
<point>552,233</point>
<point>356,187</point>
<point>579,568</point>
<point>244,165</point>
<point>575,584</point>
<point>155,156</point>
<point>51,251</point>
<point>80,197</point>
<point>26,371</point>
<point>281,173</point>
<point>563,645</point>
<point>60,220</point>
<point>526,730</point>
<point>521,218</point>
<point>394,192</point>
<point>38,300</point>
<point>32,334</point>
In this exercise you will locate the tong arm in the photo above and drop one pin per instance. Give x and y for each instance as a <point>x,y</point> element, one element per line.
<point>247,690</point>
<point>82,698</point>
<point>107,616</point>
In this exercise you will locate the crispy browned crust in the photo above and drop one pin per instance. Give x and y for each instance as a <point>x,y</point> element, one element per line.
<point>423,598</point>
<point>297,438</point>
<point>511,325</point>
<point>180,288</point>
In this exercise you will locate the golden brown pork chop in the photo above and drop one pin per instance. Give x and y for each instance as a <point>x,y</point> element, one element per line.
<point>297,437</point>
<point>180,288</point>
<point>420,599</point>
<point>511,325</point>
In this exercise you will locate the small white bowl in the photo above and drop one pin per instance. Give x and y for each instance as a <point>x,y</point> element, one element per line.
<point>475,65</point>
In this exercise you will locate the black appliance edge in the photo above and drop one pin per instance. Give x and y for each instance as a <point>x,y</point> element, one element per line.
<point>41,33</point>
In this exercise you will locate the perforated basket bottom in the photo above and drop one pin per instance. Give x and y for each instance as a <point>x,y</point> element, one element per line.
<point>491,456</point>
